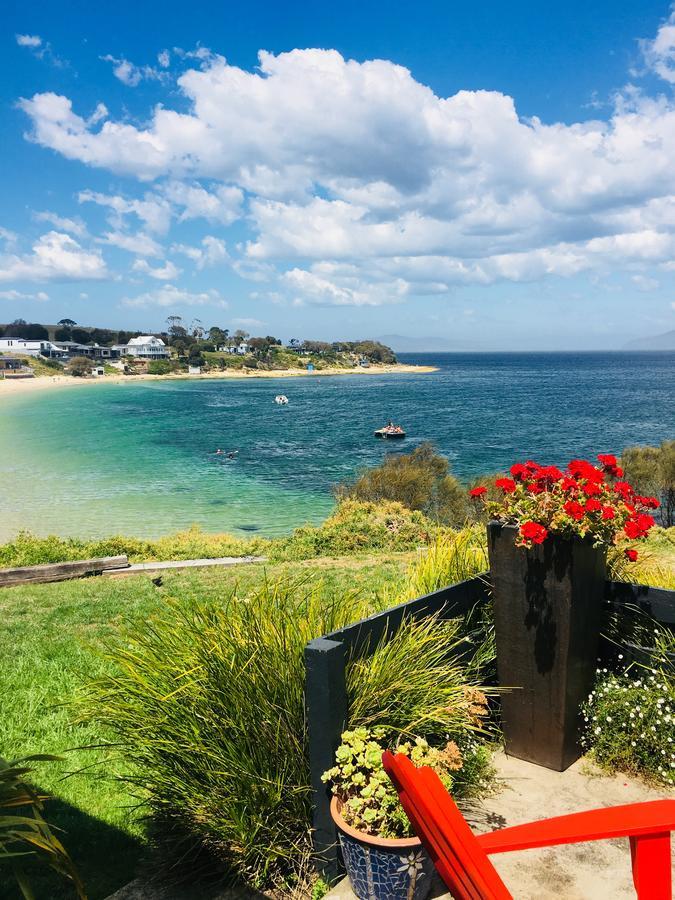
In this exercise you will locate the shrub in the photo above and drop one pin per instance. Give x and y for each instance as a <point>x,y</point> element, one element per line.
<point>630,723</point>
<point>206,706</point>
<point>160,367</point>
<point>652,471</point>
<point>358,527</point>
<point>420,480</point>
<point>79,367</point>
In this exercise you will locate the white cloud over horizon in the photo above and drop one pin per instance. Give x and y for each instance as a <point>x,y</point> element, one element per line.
<point>171,296</point>
<point>353,184</point>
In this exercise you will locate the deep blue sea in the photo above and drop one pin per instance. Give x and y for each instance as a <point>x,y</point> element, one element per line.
<point>139,457</point>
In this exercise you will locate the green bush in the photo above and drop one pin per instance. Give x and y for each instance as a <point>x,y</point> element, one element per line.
<point>420,480</point>
<point>358,527</point>
<point>630,724</point>
<point>160,367</point>
<point>206,707</point>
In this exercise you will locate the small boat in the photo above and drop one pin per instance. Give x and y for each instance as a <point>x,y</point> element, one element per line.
<point>281,399</point>
<point>390,432</point>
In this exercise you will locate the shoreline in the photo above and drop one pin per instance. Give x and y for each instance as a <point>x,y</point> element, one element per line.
<point>14,386</point>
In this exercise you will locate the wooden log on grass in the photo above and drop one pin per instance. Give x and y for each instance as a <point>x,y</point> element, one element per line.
<point>61,571</point>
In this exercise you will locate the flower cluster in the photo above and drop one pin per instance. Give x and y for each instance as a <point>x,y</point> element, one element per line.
<point>584,500</point>
<point>630,724</point>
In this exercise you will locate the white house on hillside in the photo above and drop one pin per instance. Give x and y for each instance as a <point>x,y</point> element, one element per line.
<point>144,347</point>
<point>238,349</point>
<point>30,348</point>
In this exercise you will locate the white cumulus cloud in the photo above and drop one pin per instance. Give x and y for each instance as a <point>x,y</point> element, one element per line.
<point>659,53</point>
<point>55,257</point>
<point>171,296</point>
<point>19,295</point>
<point>211,252</point>
<point>29,40</point>
<point>167,272</point>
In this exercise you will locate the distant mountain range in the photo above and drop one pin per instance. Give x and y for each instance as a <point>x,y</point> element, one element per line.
<point>657,342</point>
<point>401,344</point>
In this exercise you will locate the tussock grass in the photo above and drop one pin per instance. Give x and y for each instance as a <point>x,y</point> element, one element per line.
<point>205,703</point>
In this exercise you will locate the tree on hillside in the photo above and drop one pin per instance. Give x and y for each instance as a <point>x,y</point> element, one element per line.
<point>651,470</point>
<point>19,328</point>
<point>419,480</point>
<point>217,335</point>
<point>239,337</point>
<point>66,323</point>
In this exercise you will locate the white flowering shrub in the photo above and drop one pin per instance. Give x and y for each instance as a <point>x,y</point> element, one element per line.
<point>630,723</point>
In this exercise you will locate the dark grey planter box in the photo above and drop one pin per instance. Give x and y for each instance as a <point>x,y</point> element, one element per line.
<point>547,607</point>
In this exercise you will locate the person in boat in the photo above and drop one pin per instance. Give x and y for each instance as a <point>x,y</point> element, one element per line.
<point>232,454</point>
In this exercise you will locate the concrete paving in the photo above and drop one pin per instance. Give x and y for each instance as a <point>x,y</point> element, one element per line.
<point>594,871</point>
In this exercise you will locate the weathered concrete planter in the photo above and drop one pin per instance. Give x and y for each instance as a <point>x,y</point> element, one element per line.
<point>547,604</point>
<point>381,868</point>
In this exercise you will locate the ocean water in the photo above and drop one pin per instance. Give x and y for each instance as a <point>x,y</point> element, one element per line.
<point>139,458</point>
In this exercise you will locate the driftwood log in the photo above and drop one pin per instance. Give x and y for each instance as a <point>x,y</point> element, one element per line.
<point>61,571</point>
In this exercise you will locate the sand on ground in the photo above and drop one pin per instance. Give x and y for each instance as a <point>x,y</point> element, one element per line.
<point>9,386</point>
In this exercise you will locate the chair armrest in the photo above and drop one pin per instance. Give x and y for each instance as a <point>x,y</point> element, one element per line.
<point>632,820</point>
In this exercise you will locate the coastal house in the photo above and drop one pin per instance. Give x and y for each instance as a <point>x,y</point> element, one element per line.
<point>91,351</point>
<point>30,348</point>
<point>10,364</point>
<point>235,349</point>
<point>146,346</point>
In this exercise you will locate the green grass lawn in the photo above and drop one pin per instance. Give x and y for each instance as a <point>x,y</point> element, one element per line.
<point>49,644</point>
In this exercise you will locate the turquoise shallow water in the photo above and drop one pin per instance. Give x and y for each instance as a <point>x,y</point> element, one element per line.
<point>139,458</point>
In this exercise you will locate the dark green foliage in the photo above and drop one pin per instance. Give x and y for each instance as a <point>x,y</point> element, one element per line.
<point>25,836</point>
<point>420,480</point>
<point>28,331</point>
<point>160,367</point>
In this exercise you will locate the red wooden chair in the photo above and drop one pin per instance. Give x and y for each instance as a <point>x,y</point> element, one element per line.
<point>461,857</point>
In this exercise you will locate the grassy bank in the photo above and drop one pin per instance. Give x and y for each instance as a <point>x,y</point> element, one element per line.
<point>53,634</point>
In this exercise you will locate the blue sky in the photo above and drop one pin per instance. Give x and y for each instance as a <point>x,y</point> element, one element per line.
<point>496,174</point>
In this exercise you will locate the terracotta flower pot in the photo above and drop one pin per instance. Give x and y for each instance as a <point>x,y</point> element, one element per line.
<point>547,606</point>
<point>383,868</point>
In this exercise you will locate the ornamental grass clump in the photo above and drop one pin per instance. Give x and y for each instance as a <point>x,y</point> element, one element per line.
<point>585,501</point>
<point>206,707</point>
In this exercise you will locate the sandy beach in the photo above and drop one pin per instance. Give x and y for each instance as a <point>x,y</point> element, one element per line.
<point>14,386</point>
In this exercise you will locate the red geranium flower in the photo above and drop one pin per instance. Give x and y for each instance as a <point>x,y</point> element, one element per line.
<point>631,554</point>
<point>574,509</point>
<point>607,512</point>
<point>616,472</point>
<point>533,531</point>
<point>608,460</point>
<point>624,489</point>
<point>581,468</point>
<point>568,484</point>
<point>591,489</point>
<point>477,491</point>
<point>593,505</point>
<point>508,485</point>
<point>638,526</point>
<point>534,488</point>
<point>649,502</point>
<point>519,471</point>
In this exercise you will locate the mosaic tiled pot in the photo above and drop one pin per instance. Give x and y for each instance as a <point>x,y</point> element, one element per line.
<point>382,868</point>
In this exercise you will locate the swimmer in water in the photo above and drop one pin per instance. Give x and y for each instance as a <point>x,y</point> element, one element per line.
<point>218,451</point>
